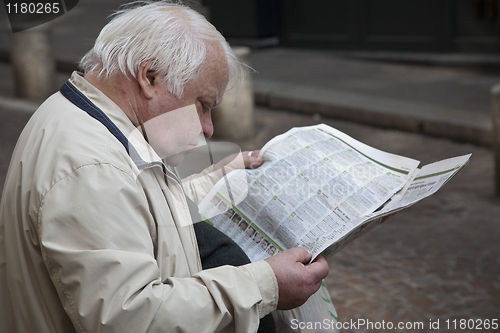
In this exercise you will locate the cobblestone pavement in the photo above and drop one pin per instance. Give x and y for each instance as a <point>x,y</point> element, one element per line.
<point>438,260</point>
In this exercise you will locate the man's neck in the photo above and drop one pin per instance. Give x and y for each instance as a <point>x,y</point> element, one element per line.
<point>121,90</point>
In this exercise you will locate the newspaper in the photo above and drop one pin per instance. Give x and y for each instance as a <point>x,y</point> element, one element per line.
<point>319,189</point>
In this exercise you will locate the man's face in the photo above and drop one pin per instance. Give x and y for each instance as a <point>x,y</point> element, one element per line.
<point>173,126</point>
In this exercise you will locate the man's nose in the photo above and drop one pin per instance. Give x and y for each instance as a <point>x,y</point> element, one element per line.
<point>207,126</point>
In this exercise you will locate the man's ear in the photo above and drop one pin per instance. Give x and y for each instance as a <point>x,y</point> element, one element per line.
<point>147,80</point>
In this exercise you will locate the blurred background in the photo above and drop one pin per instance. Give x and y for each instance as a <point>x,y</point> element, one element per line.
<point>410,77</point>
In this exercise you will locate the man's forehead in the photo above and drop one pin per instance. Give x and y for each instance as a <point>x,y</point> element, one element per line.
<point>216,59</point>
<point>213,82</point>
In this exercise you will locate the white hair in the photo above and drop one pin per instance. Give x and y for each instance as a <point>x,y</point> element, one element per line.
<point>173,37</point>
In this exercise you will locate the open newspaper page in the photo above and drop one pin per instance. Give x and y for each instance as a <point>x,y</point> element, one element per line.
<point>314,181</point>
<point>425,182</point>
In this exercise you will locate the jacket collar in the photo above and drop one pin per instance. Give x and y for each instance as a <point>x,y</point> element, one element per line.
<point>90,99</point>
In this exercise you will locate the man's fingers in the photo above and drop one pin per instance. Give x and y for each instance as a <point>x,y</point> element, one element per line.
<point>301,254</point>
<point>297,279</point>
<point>254,162</point>
<point>319,259</point>
<point>252,159</point>
<point>254,153</point>
<point>319,267</point>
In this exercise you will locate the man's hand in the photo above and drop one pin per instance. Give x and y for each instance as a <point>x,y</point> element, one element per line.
<point>251,159</point>
<point>243,160</point>
<point>297,280</point>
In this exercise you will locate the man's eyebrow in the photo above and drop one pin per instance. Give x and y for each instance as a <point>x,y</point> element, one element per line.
<point>211,96</point>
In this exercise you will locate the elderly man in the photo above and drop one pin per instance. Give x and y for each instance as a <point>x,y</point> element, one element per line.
<point>96,233</point>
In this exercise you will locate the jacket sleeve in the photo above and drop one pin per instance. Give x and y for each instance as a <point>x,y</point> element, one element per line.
<point>97,239</point>
<point>197,186</point>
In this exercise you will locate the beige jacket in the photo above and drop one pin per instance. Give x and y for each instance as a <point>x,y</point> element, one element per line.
<point>87,246</point>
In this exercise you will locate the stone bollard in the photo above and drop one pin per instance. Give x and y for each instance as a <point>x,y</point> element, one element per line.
<point>234,117</point>
<point>495,93</point>
<point>33,63</point>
